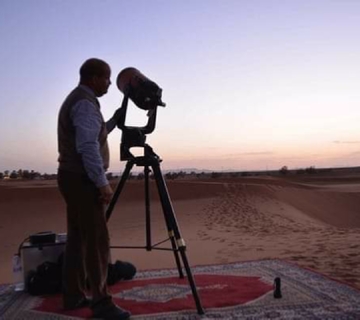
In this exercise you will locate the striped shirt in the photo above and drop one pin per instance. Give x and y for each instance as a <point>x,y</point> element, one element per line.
<point>87,123</point>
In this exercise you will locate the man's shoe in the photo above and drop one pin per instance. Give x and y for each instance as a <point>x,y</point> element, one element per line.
<point>78,304</point>
<point>111,312</point>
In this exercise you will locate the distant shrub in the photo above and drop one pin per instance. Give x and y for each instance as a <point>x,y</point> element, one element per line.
<point>311,170</point>
<point>284,170</point>
<point>13,175</point>
<point>215,175</point>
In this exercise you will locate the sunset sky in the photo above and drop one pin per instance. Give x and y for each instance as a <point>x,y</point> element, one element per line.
<point>249,85</point>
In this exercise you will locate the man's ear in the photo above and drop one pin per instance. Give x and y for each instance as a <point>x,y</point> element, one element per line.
<point>94,80</point>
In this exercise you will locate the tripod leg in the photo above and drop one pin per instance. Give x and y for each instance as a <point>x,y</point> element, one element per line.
<point>173,228</point>
<point>167,207</point>
<point>147,209</point>
<point>118,189</point>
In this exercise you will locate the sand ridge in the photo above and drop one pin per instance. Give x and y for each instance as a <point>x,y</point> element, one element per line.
<point>315,224</point>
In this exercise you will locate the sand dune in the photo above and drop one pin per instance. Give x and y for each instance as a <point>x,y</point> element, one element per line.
<point>313,223</point>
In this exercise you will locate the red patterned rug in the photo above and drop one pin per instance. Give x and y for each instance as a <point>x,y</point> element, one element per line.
<point>232,291</point>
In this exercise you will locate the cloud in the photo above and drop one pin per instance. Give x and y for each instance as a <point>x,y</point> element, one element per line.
<point>354,154</point>
<point>346,142</point>
<point>259,153</point>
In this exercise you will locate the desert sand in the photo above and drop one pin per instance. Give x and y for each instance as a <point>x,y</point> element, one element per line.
<point>313,221</point>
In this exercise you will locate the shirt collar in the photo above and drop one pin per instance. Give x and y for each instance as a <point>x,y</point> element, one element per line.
<point>87,89</point>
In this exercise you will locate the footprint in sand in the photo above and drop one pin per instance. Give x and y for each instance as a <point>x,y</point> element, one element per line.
<point>353,254</point>
<point>354,246</point>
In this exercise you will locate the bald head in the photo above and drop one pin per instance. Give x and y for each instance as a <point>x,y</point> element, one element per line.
<point>95,73</point>
<point>93,67</point>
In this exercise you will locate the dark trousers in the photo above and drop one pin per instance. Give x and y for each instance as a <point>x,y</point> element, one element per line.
<point>88,247</point>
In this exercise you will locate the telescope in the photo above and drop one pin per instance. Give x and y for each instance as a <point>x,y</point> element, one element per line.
<point>146,95</point>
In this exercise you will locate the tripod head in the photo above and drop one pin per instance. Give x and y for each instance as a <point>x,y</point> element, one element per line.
<point>146,95</point>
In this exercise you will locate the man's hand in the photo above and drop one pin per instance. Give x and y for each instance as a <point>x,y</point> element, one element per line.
<point>118,114</point>
<point>106,193</point>
<point>116,119</point>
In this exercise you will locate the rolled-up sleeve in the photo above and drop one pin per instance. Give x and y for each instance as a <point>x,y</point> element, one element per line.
<point>87,123</point>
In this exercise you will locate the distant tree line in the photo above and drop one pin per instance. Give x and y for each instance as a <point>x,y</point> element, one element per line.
<point>171,175</point>
<point>310,170</point>
<point>26,175</point>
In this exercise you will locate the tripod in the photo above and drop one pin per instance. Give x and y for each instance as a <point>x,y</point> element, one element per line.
<point>151,159</point>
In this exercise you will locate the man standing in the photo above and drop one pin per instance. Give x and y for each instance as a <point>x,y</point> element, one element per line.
<point>83,160</point>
